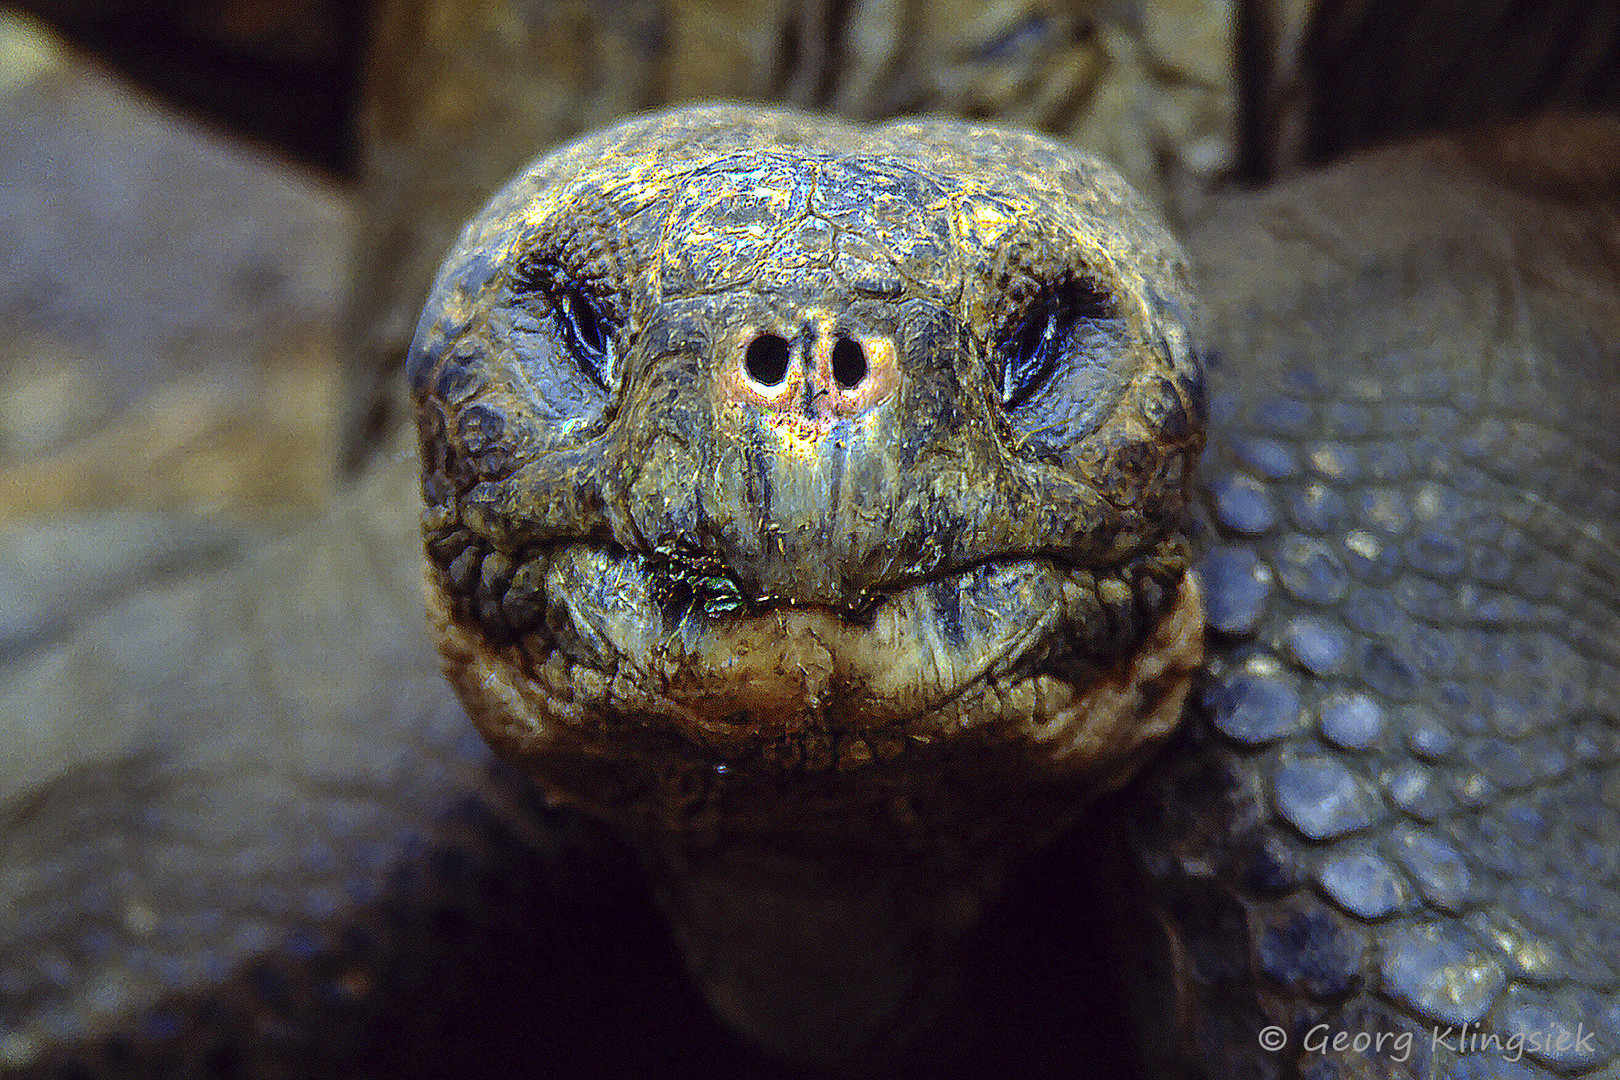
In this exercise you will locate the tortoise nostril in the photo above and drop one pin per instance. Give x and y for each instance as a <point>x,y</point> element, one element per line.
<point>848,363</point>
<point>767,359</point>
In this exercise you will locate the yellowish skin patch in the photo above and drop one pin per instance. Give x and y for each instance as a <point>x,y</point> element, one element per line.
<point>788,671</point>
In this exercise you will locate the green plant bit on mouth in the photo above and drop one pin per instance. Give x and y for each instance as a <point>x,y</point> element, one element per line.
<point>695,579</point>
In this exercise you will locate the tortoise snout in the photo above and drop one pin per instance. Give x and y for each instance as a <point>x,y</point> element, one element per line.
<point>820,375</point>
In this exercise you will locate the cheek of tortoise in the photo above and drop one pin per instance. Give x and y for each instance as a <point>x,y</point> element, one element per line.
<point>535,704</point>
<point>1112,723</point>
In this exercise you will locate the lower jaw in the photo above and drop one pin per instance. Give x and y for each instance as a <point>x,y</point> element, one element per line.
<point>798,707</point>
<point>821,867</point>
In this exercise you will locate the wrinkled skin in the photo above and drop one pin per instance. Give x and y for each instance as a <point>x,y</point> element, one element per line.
<point>462,92</point>
<point>923,402</point>
<point>1303,859</point>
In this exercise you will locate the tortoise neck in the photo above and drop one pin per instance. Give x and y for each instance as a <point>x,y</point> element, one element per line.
<point>819,956</point>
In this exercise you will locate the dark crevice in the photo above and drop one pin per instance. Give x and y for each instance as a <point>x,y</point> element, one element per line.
<point>835,31</point>
<point>1376,72</point>
<point>1254,40</point>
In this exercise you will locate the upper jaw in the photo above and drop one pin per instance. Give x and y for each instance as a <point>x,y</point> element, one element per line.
<point>926,484</point>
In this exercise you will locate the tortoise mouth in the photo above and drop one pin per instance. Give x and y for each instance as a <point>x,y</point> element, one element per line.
<point>593,641</point>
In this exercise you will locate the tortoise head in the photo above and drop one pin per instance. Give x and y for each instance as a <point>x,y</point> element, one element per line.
<point>809,500</point>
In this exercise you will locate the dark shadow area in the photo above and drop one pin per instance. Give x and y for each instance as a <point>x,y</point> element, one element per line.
<point>1358,73</point>
<point>285,73</point>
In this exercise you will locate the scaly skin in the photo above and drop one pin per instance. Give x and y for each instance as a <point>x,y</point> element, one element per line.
<point>1394,814</point>
<point>460,93</point>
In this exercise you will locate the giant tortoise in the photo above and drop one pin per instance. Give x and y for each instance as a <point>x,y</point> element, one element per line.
<point>1006,643</point>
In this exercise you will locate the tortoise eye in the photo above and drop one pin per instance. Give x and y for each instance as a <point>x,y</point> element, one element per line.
<point>586,330</point>
<point>1028,358</point>
<point>589,336</point>
<point>1041,339</point>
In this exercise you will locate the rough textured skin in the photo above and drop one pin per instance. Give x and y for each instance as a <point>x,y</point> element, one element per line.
<point>109,856</point>
<point>916,406</point>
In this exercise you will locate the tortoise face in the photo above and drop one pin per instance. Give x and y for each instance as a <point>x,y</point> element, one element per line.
<point>752,441</point>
